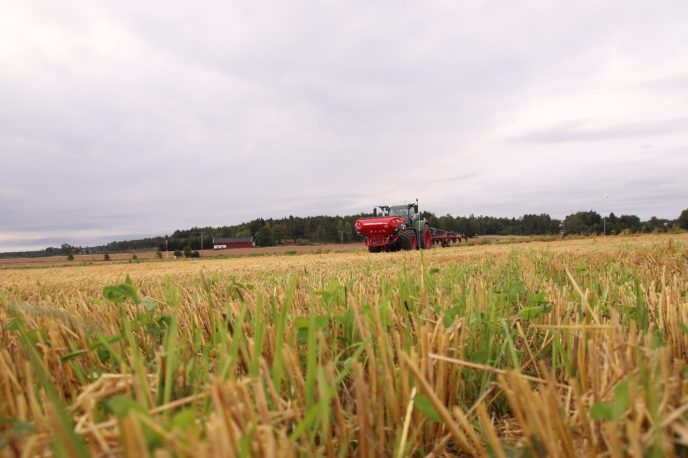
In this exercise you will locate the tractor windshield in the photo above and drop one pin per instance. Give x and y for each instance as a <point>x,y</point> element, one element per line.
<point>402,211</point>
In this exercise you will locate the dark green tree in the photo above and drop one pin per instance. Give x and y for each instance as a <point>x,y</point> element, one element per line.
<point>612,224</point>
<point>588,222</point>
<point>655,224</point>
<point>67,249</point>
<point>630,223</point>
<point>447,222</point>
<point>243,232</point>
<point>574,224</point>
<point>264,236</point>
<point>682,220</point>
<point>279,233</point>
<point>345,231</point>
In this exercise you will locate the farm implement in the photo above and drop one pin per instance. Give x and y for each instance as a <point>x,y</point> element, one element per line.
<point>401,227</point>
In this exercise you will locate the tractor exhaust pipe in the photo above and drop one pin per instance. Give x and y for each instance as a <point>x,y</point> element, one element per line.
<point>418,228</point>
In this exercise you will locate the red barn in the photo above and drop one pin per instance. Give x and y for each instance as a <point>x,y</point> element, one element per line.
<point>233,242</point>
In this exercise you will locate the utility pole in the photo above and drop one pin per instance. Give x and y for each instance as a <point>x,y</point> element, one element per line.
<point>166,253</point>
<point>604,219</point>
<point>201,243</point>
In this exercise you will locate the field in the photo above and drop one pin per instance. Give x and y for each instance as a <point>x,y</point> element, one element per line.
<point>562,348</point>
<point>90,259</point>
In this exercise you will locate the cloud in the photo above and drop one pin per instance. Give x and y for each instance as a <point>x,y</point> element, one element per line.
<point>576,131</point>
<point>670,84</point>
<point>131,118</point>
<point>461,177</point>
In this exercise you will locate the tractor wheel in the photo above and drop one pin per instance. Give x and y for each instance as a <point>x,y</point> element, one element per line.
<point>375,249</point>
<point>426,243</point>
<point>407,240</point>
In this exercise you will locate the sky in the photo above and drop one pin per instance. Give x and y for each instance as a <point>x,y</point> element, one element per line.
<point>122,119</point>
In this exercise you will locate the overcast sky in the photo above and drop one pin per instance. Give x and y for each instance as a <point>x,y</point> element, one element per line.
<point>126,118</point>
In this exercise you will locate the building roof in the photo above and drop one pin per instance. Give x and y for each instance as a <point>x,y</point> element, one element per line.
<point>221,240</point>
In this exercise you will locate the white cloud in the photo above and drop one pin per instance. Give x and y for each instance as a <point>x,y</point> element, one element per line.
<point>131,118</point>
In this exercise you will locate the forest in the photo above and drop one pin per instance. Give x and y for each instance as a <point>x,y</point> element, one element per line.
<point>340,229</point>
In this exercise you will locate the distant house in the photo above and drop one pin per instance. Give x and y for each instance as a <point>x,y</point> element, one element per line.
<point>233,242</point>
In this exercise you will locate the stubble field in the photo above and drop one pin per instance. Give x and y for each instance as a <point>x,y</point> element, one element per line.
<point>567,348</point>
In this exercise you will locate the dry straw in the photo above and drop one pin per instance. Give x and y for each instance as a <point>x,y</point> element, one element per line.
<point>548,349</point>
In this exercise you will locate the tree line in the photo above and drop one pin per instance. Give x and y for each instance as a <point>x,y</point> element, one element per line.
<point>340,229</point>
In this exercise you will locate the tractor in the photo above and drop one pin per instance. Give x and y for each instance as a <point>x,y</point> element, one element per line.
<point>401,227</point>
